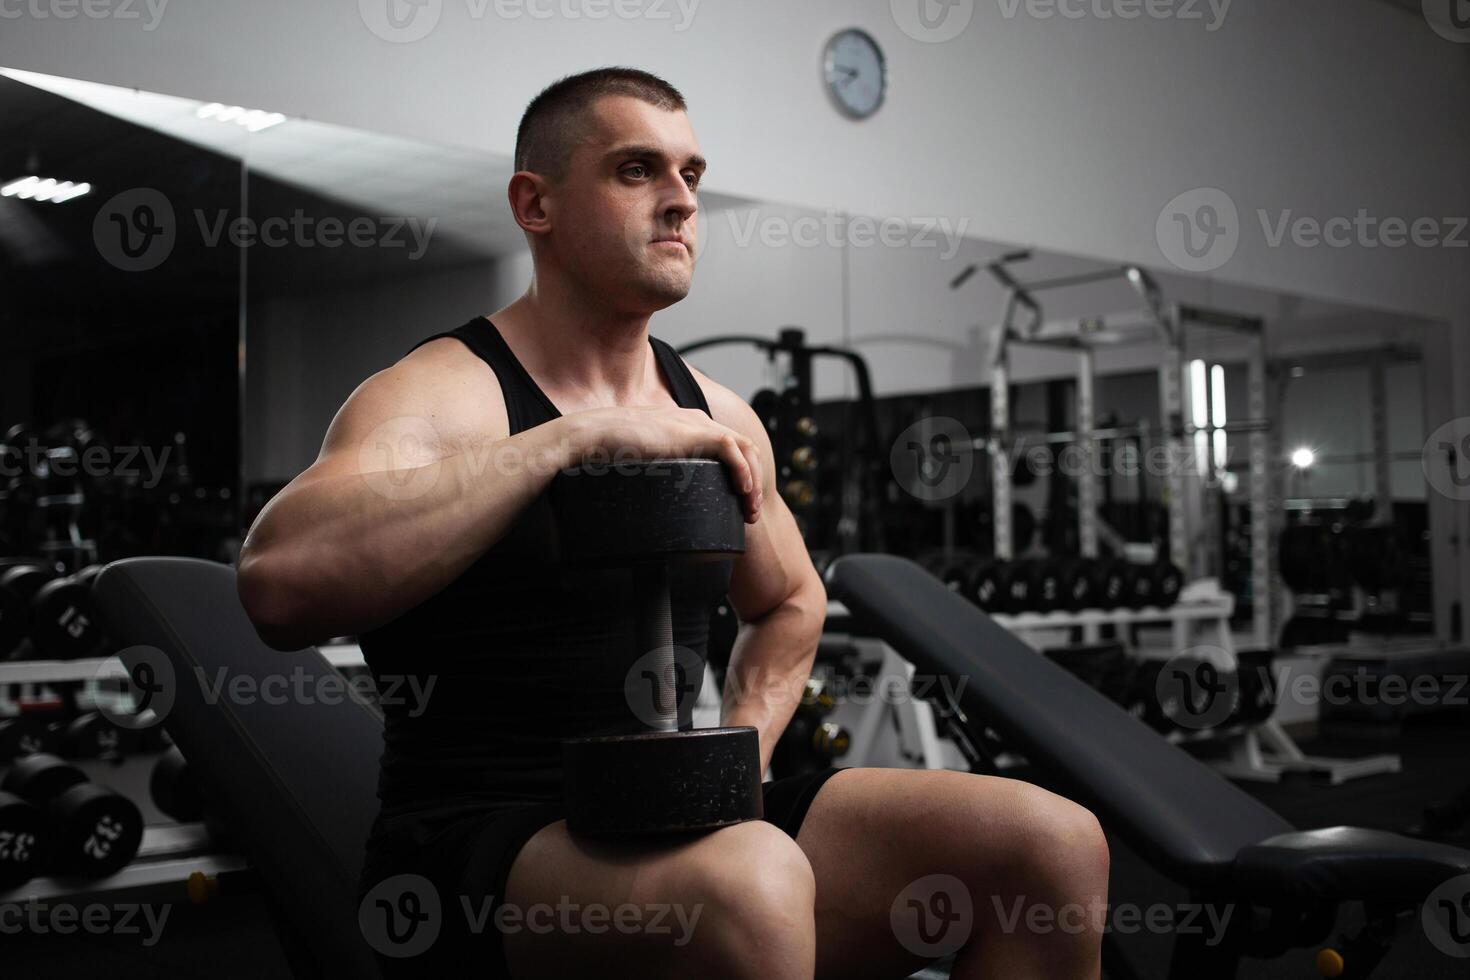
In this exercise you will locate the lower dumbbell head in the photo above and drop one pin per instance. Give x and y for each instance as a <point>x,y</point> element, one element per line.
<point>662,783</point>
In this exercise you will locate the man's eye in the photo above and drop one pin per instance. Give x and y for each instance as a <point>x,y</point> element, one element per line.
<point>638,167</point>
<point>692,180</point>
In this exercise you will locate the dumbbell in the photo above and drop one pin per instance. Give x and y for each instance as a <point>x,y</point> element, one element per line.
<point>1077,584</point>
<point>20,580</point>
<point>646,777</point>
<point>988,585</point>
<point>23,736</point>
<point>91,735</point>
<point>1109,583</point>
<point>95,830</point>
<point>809,744</point>
<point>64,621</point>
<point>173,788</point>
<point>1157,584</point>
<point>24,841</point>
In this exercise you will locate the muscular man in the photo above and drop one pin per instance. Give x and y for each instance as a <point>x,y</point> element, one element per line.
<point>422,528</point>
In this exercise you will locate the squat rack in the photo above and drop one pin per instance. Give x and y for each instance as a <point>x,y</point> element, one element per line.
<point>1191,510</point>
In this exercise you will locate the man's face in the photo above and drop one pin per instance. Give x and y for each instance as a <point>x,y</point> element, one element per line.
<point>623,218</point>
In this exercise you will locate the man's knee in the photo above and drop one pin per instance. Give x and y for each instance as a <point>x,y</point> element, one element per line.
<point>1064,849</point>
<point>754,892</point>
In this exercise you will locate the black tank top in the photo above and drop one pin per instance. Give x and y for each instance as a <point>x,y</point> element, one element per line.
<point>522,653</point>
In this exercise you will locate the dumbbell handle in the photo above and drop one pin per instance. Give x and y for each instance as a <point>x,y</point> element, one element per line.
<point>653,632</point>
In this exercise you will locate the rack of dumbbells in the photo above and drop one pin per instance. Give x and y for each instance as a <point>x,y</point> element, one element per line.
<point>69,736</point>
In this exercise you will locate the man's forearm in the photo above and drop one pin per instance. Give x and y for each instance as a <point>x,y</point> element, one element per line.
<point>769,666</point>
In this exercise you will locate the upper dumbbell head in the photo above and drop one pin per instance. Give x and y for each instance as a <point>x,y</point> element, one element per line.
<point>659,510</point>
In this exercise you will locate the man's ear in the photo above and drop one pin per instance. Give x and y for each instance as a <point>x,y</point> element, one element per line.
<point>527,196</point>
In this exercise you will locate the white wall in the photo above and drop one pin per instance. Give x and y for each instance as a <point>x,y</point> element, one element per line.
<point>1070,134</point>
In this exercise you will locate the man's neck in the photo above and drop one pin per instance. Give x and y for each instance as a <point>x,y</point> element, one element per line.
<point>600,357</point>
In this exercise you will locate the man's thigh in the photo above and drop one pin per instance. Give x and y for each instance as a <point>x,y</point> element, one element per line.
<point>655,910</point>
<point>874,835</point>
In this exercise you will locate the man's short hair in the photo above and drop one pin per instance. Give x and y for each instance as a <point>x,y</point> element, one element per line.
<point>554,121</point>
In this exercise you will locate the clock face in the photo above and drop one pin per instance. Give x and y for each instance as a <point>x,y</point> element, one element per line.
<point>856,74</point>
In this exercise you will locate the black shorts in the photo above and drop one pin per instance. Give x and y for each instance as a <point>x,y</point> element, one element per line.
<point>468,862</point>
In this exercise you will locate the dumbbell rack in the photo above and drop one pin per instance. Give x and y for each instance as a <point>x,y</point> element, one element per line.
<point>170,853</point>
<point>168,856</point>
<point>1258,752</point>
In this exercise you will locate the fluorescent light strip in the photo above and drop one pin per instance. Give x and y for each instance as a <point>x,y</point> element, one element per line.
<point>254,120</point>
<point>1199,395</point>
<point>33,188</point>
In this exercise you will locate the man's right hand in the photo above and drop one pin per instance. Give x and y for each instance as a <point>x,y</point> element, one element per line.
<point>612,435</point>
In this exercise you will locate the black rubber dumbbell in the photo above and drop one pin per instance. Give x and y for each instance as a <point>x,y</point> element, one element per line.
<point>23,841</point>
<point>989,585</point>
<point>1077,579</point>
<point>23,736</point>
<point>64,620</point>
<point>91,735</point>
<point>174,789</point>
<point>645,776</point>
<point>20,580</point>
<point>1110,583</point>
<point>95,830</point>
